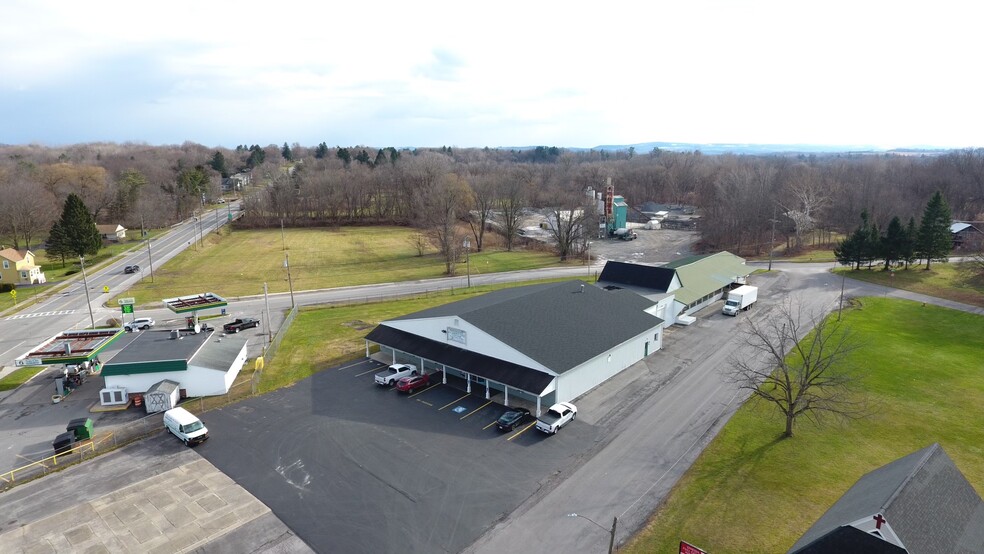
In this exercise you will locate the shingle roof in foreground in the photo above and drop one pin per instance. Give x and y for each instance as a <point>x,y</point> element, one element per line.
<point>560,325</point>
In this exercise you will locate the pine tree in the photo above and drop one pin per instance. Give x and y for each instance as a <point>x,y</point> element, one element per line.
<point>935,240</point>
<point>855,249</point>
<point>321,151</point>
<point>286,153</point>
<point>75,234</point>
<point>893,243</point>
<point>218,163</point>
<point>909,245</point>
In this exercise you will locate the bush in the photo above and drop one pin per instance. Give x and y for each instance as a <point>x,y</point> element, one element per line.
<point>71,272</point>
<point>6,287</point>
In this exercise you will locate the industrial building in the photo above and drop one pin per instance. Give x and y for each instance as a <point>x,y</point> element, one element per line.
<point>544,343</point>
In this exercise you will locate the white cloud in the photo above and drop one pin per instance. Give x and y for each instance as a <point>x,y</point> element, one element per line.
<point>508,73</point>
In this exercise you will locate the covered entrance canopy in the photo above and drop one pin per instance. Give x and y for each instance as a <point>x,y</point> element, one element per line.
<point>531,381</point>
<point>70,347</point>
<point>194,304</point>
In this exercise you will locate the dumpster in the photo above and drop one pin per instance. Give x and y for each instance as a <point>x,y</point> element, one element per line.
<point>81,428</point>
<point>63,443</point>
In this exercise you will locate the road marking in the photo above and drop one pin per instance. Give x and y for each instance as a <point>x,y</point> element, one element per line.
<point>351,365</point>
<point>38,314</point>
<point>425,390</point>
<point>489,425</point>
<point>476,409</point>
<point>527,428</point>
<point>364,372</point>
<point>424,402</point>
<point>453,401</point>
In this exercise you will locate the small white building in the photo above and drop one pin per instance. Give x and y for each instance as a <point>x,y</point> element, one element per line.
<point>544,343</point>
<point>112,233</point>
<point>203,364</point>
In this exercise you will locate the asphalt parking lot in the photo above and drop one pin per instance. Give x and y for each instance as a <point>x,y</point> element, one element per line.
<point>353,467</point>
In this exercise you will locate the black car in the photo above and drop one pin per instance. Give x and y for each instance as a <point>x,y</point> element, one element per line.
<point>511,419</point>
<point>131,268</point>
<point>241,325</point>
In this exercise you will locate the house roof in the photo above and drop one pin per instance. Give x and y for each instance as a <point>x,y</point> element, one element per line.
<point>12,255</point>
<point>560,325</point>
<point>703,275</point>
<point>923,497</point>
<point>514,375</point>
<point>850,540</point>
<point>960,226</point>
<point>637,275</point>
<point>112,228</point>
<point>155,351</point>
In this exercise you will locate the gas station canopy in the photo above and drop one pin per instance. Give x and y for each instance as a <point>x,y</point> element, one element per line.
<point>195,302</point>
<point>70,347</point>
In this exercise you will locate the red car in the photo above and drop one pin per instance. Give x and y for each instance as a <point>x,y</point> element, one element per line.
<point>412,383</point>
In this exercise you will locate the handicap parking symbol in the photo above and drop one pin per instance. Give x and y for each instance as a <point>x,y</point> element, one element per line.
<point>459,409</point>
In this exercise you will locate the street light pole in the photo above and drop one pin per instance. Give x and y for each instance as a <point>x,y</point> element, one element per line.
<point>611,538</point>
<point>772,241</point>
<point>290,282</point>
<point>85,285</point>
<point>841,307</point>
<point>589,260</point>
<point>467,245</point>
<point>150,255</point>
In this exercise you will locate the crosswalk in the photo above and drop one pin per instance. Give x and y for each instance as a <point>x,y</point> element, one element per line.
<point>39,314</point>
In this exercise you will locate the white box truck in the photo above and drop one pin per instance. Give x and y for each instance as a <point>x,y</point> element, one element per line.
<point>740,299</point>
<point>183,424</point>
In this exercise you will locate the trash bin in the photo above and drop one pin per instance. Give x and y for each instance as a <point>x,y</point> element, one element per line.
<point>81,428</point>
<point>63,443</point>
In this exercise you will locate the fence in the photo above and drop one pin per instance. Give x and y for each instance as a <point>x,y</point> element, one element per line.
<point>90,448</point>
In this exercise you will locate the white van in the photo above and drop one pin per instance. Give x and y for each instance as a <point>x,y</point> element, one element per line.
<point>182,424</point>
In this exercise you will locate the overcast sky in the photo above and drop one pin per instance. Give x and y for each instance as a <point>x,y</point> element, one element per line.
<point>504,73</point>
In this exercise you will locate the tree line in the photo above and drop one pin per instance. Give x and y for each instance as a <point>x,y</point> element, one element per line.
<point>742,200</point>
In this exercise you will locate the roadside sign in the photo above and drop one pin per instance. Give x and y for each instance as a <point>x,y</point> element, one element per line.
<point>106,288</point>
<point>687,548</point>
<point>27,362</point>
<point>13,293</point>
<point>125,301</point>
<point>127,308</point>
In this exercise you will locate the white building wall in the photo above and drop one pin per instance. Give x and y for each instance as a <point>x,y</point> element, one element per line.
<point>476,340</point>
<point>599,369</point>
<point>196,381</point>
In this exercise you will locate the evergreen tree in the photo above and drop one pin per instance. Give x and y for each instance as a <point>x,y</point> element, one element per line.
<point>935,240</point>
<point>872,245</point>
<point>855,249</point>
<point>218,163</point>
<point>363,157</point>
<point>321,151</point>
<point>394,155</point>
<point>256,156</point>
<point>380,158</point>
<point>893,243</point>
<point>75,234</point>
<point>286,153</point>
<point>344,155</point>
<point>909,244</point>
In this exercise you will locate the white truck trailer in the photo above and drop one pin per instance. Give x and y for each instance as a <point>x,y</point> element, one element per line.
<point>740,299</point>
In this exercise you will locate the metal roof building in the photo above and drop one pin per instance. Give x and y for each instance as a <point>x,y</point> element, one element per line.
<point>546,343</point>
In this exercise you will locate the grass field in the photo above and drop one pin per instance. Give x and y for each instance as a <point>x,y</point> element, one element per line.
<point>751,491</point>
<point>951,281</point>
<point>325,336</point>
<point>19,377</point>
<point>237,263</point>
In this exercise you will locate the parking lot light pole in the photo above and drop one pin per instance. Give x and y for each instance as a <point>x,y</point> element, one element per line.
<point>611,538</point>
<point>467,245</point>
<point>85,286</point>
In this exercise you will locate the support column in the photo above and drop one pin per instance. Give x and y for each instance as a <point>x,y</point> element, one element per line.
<point>468,383</point>
<point>537,406</point>
<point>506,390</point>
<point>486,389</point>
<point>444,373</point>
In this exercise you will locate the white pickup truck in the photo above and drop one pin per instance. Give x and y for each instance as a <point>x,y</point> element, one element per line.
<point>556,417</point>
<point>394,373</point>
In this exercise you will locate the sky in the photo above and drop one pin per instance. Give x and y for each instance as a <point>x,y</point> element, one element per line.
<point>499,74</point>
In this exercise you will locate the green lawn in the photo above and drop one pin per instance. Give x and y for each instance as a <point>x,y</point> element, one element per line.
<point>951,281</point>
<point>237,263</point>
<point>750,491</point>
<point>19,377</point>
<point>324,336</point>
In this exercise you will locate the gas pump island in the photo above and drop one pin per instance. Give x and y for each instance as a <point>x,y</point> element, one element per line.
<point>192,305</point>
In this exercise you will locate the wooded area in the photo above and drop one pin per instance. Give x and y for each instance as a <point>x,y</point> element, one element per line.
<point>809,198</point>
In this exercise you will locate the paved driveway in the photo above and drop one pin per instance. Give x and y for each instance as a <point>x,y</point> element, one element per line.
<point>354,467</point>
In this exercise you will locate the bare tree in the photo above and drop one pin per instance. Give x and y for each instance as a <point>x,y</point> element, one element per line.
<point>449,202</point>
<point>567,223</point>
<point>801,372</point>
<point>510,201</point>
<point>484,188</point>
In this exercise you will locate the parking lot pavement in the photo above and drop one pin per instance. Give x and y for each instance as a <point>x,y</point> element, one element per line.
<point>152,496</point>
<point>354,467</point>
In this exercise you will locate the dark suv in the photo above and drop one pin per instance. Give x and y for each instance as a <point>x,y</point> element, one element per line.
<point>131,268</point>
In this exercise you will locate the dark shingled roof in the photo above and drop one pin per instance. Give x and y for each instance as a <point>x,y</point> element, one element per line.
<point>527,379</point>
<point>637,275</point>
<point>850,540</point>
<point>560,325</point>
<point>923,497</point>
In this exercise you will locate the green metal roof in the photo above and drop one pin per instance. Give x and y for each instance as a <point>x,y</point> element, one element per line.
<point>706,274</point>
<point>133,368</point>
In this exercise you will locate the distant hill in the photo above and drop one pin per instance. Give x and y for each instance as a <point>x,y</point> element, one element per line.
<point>755,149</point>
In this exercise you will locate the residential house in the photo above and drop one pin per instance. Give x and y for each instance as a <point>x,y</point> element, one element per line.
<point>18,268</point>
<point>111,233</point>
<point>920,503</point>
<point>966,236</point>
<point>237,181</point>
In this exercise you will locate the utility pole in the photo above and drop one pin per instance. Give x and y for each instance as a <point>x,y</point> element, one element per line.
<point>611,541</point>
<point>266,301</point>
<point>290,282</point>
<point>467,245</point>
<point>151,256</point>
<point>85,286</point>
<point>840,308</point>
<point>772,241</point>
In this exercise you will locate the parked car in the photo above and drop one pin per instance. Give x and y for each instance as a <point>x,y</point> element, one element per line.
<point>131,269</point>
<point>509,420</point>
<point>241,324</point>
<point>394,373</point>
<point>412,383</point>
<point>141,323</point>
<point>556,417</point>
